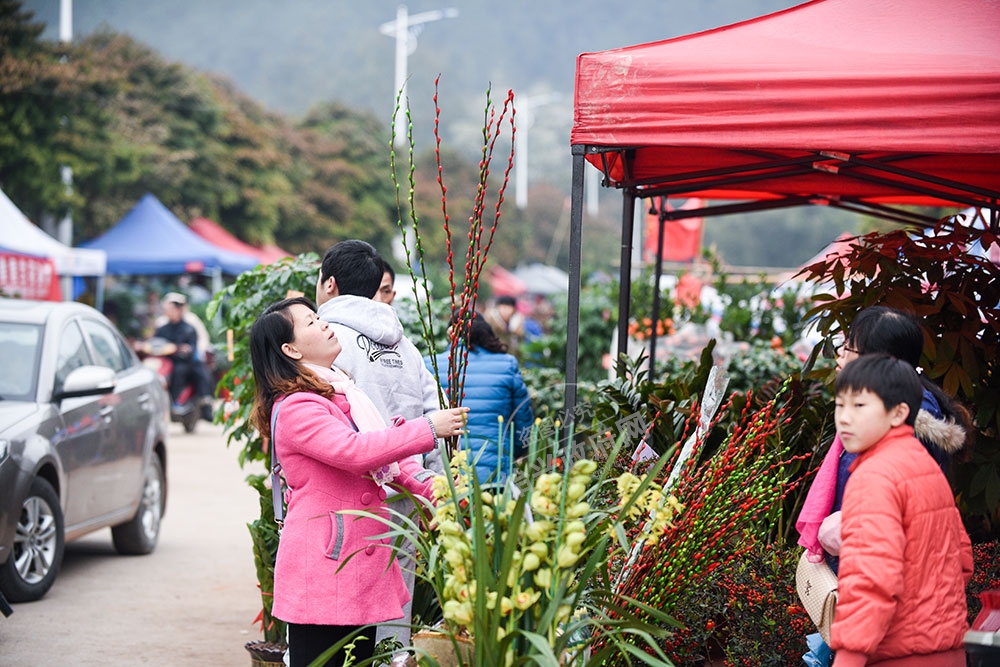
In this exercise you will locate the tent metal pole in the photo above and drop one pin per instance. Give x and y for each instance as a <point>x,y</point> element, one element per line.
<point>676,186</point>
<point>712,177</point>
<point>99,298</point>
<point>960,199</point>
<point>883,165</point>
<point>884,212</point>
<point>625,278</point>
<point>573,303</point>
<point>747,207</point>
<point>656,288</point>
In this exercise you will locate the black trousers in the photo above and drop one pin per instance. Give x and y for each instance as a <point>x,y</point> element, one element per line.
<point>308,642</point>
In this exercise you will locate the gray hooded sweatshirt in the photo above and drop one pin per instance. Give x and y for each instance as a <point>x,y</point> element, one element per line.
<point>385,364</point>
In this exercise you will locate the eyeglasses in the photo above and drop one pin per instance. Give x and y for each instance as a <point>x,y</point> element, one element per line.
<point>833,349</point>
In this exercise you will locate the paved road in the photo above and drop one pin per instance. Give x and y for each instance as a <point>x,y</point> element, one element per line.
<point>190,602</point>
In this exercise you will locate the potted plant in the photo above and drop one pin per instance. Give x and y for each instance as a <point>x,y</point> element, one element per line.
<point>531,572</point>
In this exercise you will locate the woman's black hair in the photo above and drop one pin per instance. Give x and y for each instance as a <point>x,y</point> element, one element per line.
<point>880,329</point>
<point>480,334</point>
<point>274,371</point>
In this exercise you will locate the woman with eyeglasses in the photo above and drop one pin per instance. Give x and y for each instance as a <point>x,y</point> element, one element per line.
<point>942,426</point>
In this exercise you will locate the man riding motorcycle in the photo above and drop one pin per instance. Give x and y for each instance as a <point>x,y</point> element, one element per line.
<point>187,366</point>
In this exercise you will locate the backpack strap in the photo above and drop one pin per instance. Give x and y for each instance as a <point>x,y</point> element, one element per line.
<point>277,485</point>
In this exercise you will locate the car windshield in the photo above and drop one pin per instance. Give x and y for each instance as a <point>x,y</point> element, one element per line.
<point>20,345</point>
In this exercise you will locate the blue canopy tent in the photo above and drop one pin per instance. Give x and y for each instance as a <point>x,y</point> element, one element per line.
<point>150,240</point>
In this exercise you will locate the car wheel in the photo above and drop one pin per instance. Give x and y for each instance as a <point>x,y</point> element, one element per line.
<point>38,546</point>
<point>139,535</point>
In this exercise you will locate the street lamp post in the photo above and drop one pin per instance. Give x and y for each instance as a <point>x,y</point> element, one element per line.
<point>526,114</point>
<point>405,29</point>
<point>64,231</point>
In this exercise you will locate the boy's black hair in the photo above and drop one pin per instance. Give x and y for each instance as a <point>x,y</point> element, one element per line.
<point>355,265</point>
<point>892,380</point>
<point>387,268</point>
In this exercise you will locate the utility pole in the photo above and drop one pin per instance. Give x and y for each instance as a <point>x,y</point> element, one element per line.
<point>65,228</point>
<point>525,106</point>
<point>405,29</point>
<point>65,231</point>
<point>593,182</point>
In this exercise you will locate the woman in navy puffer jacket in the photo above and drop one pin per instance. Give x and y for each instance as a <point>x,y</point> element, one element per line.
<point>493,389</point>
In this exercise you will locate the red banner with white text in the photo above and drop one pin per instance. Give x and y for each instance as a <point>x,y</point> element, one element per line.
<point>29,277</point>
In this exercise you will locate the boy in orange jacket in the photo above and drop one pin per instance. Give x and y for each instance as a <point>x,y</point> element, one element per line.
<point>905,557</point>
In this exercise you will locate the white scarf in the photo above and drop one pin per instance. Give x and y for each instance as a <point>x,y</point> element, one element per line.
<point>364,414</point>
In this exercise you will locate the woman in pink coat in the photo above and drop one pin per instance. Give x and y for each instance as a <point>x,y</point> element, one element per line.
<point>332,575</point>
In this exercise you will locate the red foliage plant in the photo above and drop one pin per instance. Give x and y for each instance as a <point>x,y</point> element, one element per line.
<point>727,497</point>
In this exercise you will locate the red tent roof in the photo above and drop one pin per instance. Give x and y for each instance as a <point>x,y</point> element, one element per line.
<point>216,235</point>
<point>504,283</point>
<point>889,101</point>
<point>270,253</point>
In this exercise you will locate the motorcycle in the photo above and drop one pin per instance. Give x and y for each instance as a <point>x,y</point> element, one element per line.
<point>188,409</point>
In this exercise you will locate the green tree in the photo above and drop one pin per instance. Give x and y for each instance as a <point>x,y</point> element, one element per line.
<point>342,172</point>
<point>128,122</point>
<point>954,294</point>
<point>34,109</point>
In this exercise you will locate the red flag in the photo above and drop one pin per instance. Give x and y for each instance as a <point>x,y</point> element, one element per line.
<point>681,238</point>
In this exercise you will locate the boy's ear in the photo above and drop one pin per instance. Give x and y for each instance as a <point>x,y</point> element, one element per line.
<point>329,287</point>
<point>898,414</point>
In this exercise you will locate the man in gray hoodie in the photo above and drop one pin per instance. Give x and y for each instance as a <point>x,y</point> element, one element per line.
<point>385,364</point>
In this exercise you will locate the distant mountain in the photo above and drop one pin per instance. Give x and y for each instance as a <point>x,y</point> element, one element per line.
<point>292,54</point>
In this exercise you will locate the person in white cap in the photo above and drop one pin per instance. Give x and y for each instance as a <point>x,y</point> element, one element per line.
<point>187,369</point>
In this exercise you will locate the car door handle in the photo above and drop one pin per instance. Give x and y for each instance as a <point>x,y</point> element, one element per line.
<point>106,413</point>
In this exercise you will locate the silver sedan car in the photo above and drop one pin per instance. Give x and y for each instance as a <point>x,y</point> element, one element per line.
<point>83,441</point>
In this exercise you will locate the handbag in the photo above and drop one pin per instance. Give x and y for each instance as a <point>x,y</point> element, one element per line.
<point>278,487</point>
<point>816,585</point>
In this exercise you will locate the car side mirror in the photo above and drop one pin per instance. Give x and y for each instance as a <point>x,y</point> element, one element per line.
<point>87,381</point>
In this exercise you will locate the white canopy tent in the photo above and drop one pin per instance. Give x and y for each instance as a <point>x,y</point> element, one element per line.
<point>19,233</point>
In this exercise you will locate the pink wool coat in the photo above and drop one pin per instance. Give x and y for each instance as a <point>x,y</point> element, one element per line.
<point>904,562</point>
<point>329,570</point>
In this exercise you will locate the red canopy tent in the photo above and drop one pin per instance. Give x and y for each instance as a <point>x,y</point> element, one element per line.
<point>504,283</point>
<point>884,101</point>
<point>270,253</point>
<point>218,236</point>
<point>849,103</point>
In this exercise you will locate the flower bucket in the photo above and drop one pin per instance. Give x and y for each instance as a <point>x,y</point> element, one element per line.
<point>439,646</point>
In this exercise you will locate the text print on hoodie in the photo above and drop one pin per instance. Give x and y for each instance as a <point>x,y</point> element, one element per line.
<point>385,364</point>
